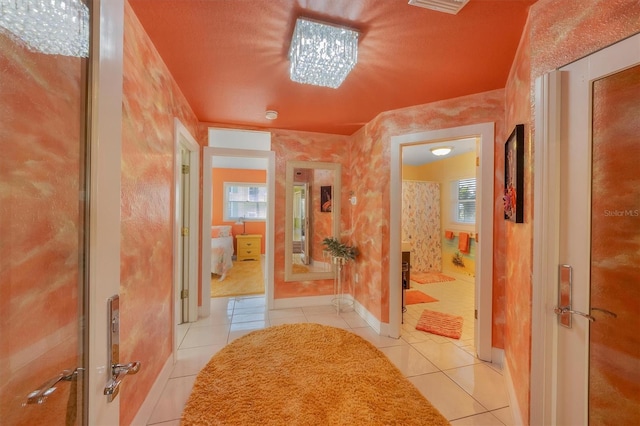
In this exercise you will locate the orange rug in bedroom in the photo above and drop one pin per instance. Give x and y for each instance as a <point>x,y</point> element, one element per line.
<point>245,278</point>
<point>411,297</point>
<point>430,277</point>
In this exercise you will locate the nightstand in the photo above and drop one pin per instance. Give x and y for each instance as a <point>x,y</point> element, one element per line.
<point>249,246</point>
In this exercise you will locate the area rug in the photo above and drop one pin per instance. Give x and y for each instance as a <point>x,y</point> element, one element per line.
<point>411,297</point>
<point>430,277</point>
<point>440,323</point>
<point>244,278</point>
<point>305,374</point>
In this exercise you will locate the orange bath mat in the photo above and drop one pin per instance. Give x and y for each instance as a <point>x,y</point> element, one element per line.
<point>416,296</point>
<point>430,277</point>
<point>440,323</point>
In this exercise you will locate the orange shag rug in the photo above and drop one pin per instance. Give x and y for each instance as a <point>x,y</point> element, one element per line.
<point>440,323</point>
<point>411,297</point>
<point>305,374</point>
<point>430,277</point>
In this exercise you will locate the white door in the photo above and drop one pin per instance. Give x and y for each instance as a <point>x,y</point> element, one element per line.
<point>598,358</point>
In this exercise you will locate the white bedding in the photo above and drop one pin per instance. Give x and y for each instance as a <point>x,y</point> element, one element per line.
<point>221,256</point>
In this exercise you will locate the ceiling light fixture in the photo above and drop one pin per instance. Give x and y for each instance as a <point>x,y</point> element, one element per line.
<point>322,54</point>
<point>54,27</point>
<point>271,114</point>
<point>441,151</point>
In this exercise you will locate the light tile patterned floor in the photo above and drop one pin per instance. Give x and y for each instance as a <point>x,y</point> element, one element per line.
<point>466,390</point>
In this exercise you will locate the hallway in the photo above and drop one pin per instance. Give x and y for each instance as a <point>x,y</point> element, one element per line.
<point>466,390</point>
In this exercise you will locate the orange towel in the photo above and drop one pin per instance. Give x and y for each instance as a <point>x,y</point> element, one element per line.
<point>448,235</point>
<point>463,242</point>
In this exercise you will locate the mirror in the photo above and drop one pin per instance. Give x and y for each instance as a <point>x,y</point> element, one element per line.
<point>312,213</point>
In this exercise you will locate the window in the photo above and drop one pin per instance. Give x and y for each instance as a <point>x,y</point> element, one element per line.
<point>465,201</point>
<point>245,200</point>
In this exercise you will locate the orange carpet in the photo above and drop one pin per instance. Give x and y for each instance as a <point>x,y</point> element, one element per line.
<point>440,323</point>
<point>411,297</point>
<point>305,374</point>
<point>430,277</point>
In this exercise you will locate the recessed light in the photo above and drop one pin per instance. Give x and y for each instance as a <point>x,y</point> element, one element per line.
<point>271,115</point>
<point>441,151</point>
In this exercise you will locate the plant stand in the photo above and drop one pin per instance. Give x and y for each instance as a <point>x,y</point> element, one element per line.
<point>341,303</point>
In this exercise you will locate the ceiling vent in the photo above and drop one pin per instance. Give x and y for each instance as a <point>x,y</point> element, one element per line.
<point>447,6</point>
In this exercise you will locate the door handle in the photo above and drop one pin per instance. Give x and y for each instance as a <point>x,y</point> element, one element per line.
<point>39,395</point>
<point>605,311</point>
<point>568,310</point>
<point>118,373</point>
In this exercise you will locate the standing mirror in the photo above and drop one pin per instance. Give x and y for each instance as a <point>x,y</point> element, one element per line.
<point>313,213</point>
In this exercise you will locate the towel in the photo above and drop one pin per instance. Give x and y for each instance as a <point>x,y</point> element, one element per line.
<point>463,242</point>
<point>448,235</point>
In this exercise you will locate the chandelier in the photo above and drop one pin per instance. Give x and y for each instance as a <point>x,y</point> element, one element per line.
<point>322,54</point>
<point>54,27</point>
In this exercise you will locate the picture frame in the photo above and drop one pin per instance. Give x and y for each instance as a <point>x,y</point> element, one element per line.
<point>514,176</point>
<point>325,199</point>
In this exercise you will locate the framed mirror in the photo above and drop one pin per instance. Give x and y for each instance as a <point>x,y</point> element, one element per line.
<point>312,213</point>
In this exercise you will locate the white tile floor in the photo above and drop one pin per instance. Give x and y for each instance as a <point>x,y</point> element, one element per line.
<point>466,390</point>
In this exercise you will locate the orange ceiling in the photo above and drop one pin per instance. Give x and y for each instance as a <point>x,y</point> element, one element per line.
<point>229,57</point>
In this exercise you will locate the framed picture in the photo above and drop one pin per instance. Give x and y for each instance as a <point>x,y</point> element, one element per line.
<point>325,199</point>
<point>514,176</point>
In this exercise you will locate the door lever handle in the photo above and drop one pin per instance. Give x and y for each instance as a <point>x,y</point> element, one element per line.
<point>605,311</point>
<point>119,372</point>
<point>568,310</point>
<point>39,395</point>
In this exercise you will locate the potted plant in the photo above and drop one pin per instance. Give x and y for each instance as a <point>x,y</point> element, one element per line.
<point>339,250</point>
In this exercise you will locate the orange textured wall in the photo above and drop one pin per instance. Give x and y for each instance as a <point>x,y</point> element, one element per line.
<point>305,146</point>
<point>219,177</point>
<point>557,33</point>
<point>151,100</point>
<point>371,163</point>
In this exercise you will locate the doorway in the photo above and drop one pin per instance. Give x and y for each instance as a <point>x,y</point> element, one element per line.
<point>589,222</point>
<point>186,227</point>
<point>484,260</point>
<point>267,158</point>
<point>439,230</point>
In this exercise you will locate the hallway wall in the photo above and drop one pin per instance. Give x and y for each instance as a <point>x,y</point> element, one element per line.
<point>151,100</point>
<point>557,32</point>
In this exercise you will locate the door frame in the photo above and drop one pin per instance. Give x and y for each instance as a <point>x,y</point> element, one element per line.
<point>184,139</point>
<point>546,222</point>
<point>207,153</point>
<point>485,217</point>
<point>105,171</point>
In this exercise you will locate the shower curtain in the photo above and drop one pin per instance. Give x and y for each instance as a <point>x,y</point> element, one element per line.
<point>421,224</point>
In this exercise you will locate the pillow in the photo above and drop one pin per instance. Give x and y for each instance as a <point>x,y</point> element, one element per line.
<point>220,231</point>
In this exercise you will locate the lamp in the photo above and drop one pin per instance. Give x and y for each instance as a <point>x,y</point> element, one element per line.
<point>241,221</point>
<point>441,151</point>
<point>54,27</point>
<point>322,54</point>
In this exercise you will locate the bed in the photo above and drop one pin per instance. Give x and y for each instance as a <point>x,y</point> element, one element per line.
<point>221,250</point>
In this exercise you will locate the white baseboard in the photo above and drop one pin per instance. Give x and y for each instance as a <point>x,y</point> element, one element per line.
<point>497,356</point>
<point>379,327</point>
<point>513,400</point>
<point>301,302</point>
<point>149,404</point>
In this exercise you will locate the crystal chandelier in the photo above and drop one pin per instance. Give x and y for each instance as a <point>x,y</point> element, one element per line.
<point>322,54</point>
<point>55,27</point>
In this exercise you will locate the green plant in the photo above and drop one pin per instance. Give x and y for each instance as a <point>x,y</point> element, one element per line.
<point>458,260</point>
<point>338,249</point>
